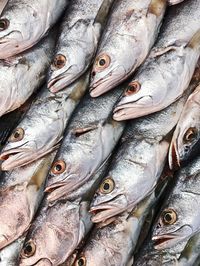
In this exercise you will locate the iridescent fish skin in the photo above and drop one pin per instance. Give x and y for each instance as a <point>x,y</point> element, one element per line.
<point>31,140</point>
<point>123,48</point>
<point>186,136</point>
<point>80,32</point>
<point>168,70</point>
<point>19,32</point>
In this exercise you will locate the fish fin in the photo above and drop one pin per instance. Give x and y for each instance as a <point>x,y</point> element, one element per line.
<point>103,12</point>
<point>157,7</point>
<point>194,43</point>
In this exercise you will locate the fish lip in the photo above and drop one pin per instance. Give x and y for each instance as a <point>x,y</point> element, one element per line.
<point>4,241</point>
<point>174,158</point>
<point>160,239</point>
<point>21,263</point>
<point>53,81</point>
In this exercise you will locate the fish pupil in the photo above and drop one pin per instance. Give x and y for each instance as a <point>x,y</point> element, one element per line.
<point>106,186</point>
<point>168,217</point>
<point>3,24</point>
<point>102,62</point>
<point>16,135</point>
<point>81,262</point>
<point>58,167</point>
<point>28,249</point>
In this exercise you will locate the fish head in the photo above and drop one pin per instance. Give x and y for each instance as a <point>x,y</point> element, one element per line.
<point>175,223</point>
<point>108,201</point>
<point>141,97</point>
<point>111,67</point>
<point>186,137</point>
<point>55,234</point>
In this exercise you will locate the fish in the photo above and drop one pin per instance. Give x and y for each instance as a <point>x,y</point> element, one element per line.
<point>116,242</point>
<point>2,5</point>
<point>65,221</point>
<point>168,70</point>
<point>137,164</point>
<point>21,191</point>
<point>31,140</point>
<point>19,32</point>
<point>9,255</point>
<point>24,74</point>
<point>80,32</point>
<point>186,136</point>
<point>178,219</point>
<point>112,64</point>
<point>88,142</point>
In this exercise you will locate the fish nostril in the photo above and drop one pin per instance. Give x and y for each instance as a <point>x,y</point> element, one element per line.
<point>93,73</point>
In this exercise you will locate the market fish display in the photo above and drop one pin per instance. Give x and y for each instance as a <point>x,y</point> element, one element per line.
<point>65,222</point>
<point>112,64</point>
<point>80,32</point>
<point>179,218</point>
<point>169,68</point>
<point>138,163</point>
<point>21,191</point>
<point>19,32</point>
<point>21,75</point>
<point>90,139</point>
<point>186,137</point>
<point>42,128</point>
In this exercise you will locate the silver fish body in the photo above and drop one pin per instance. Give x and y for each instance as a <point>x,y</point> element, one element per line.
<point>42,128</point>
<point>112,64</point>
<point>187,133</point>
<point>77,44</point>
<point>90,139</point>
<point>23,74</point>
<point>138,163</point>
<point>178,219</point>
<point>21,192</point>
<point>65,222</point>
<point>24,23</point>
<point>168,70</point>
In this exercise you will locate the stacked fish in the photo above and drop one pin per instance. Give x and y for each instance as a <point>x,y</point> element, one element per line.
<point>100,132</point>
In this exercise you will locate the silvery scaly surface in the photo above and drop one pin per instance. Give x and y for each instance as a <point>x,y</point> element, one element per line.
<point>124,46</point>
<point>80,32</point>
<point>89,140</point>
<point>179,217</point>
<point>64,222</point>
<point>41,130</point>
<point>115,243</point>
<point>19,32</point>
<point>169,68</point>
<point>21,75</point>
<point>21,191</point>
<point>186,136</point>
<point>138,163</point>
<point>9,256</point>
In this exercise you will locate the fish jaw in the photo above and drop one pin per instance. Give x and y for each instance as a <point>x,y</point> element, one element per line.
<point>106,210</point>
<point>173,157</point>
<point>42,262</point>
<point>169,240</point>
<point>106,82</point>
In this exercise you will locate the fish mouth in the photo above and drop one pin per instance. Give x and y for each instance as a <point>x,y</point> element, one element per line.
<point>134,109</point>
<point>41,262</point>
<point>4,241</point>
<point>106,83</point>
<point>104,211</point>
<point>174,158</point>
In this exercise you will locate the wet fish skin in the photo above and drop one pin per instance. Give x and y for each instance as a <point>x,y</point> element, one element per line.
<point>80,32</point>
<point>2,5</point>
<point>138,163</point>
<point>35,140</point>
<point>20,195</point>
<point>23,74</point>
<point>181,208</point>
<point>175,54</point>
<point>65,222</point>
<point>174,2</point>
<point>22,32</point>
<point>89,141</point>
<point>187,132</point>
<point>146,16</point>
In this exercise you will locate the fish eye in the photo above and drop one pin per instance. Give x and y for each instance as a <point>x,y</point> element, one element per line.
<point>4,24</point>
<point>132,88</point>
<point>102,62</point>
<point>59,61</point>
<point>190,134</point>
<point>81,261</point>
<point>58,167</point>
<point>169,217</point>
<point>29,249</point>
<point>17,135</point>
<point>107,186</point>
